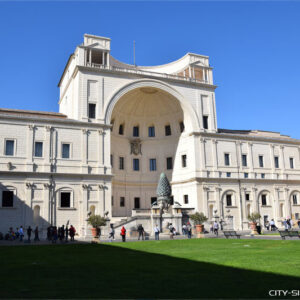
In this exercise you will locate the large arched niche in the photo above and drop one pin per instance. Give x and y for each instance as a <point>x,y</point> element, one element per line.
<point>144,104</point>
<point>189,115</point>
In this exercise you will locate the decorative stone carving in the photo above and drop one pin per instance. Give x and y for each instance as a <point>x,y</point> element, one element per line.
<point>31,127</point>
<point>9,166</point>
<point>136,147</point>
<point>29,185</point>
<point>49,128</point>
<point>163,193</point>
<point>85,131</point>
<point>85,186</point>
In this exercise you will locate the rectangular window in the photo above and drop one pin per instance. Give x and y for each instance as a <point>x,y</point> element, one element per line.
<point>181,126</point>
<point>291,162</point>
<point>152,162</point>
<point>205,122</point>
<point>111,160</point>
<point>122,201</point>
<point>168,130</point>
<point>121,163</point>
<point>7,199</point>
<point>151,131</point>
<point>65,199</point>
<point>226,159</point>
<point>136,131</point>
<point>295,199</point>
<point>136,164</point>
<point>153,200</point>
<point>92,111</point>
<point>276,162</point>
<point>244,160</point>
<point>169,163</point>
<point>246,175</point>
<point>121,129</point>
<point>183,161</point>
<point>185,199</point>
<point>136,202</point>
<point>65,151</point>
<point>228,200</point>
<point>9,147</point>
<point>247,197</point>
<point>228,174</point>
<point>38,149</point>
<point>261,161</point>
<point>262,175</point>
<point>263,199</point>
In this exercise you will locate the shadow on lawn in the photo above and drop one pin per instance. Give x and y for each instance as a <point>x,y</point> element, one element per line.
<point>104,271</point>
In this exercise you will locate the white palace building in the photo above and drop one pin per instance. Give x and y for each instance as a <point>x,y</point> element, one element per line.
<point>118,128</point>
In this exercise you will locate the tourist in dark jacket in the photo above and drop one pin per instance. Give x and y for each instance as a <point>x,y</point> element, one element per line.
<point>36,234</point>
<point>141,232</point>
<point>29,230</point>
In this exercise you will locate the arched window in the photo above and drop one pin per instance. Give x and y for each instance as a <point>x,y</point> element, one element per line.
<point>36,214</point>
<point>211,211</point>
<point>281,210</point>
<point>121,129</point>
<point>248,209</point>
<point>92,209</point>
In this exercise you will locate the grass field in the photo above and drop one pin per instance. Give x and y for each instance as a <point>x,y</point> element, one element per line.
<point>204,268</point>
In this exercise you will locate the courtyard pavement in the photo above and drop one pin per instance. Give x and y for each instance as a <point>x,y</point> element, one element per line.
<point>244,235</point>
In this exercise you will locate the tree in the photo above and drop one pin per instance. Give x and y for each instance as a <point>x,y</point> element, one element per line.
<point>253,217</point>
<point>96,221</point>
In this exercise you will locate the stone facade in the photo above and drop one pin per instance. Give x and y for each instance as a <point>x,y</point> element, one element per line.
<point>125,125</point>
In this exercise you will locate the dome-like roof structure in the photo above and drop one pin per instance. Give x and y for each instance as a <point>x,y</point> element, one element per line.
<point>163,187</point>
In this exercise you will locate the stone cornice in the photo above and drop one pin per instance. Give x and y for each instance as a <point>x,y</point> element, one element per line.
<point>247,138</point>
<point>51,121</point>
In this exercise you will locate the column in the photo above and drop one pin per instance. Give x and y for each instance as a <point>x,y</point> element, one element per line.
<point>205,200</point>
<point>215,157</point>
<point>256,200</point>
<point>84,209</point>
<point>30,147</point>
<point>47,149</point>
<point>287,202</point>
<point>28,205</point>
<point>219,202</point>
<point>276,204</point>
<point>251,161</point>
<point>272,161</point>
<point>282,162</point>
<point>202,156</point>
<point>46,215</point>
<point>238,157</point>
<point>84,163</point>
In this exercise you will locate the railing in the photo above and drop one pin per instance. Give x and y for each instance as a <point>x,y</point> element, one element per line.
<point>145,73</point>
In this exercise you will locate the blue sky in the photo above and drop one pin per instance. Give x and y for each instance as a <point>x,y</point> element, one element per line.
<point>254,48</point>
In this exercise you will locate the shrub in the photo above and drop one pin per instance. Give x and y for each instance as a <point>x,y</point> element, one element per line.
<point>198,218</point>
<point>253,217</point>
<point>96,221</point>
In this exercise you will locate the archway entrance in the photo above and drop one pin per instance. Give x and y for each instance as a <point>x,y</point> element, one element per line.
<point>149,126</point>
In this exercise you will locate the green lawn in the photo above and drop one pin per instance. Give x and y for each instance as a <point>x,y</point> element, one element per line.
<point>204,268</point>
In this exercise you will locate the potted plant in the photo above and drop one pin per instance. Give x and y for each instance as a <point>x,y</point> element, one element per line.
<point>96,222</point>
<point>198,219</point>
<point>253,218</point>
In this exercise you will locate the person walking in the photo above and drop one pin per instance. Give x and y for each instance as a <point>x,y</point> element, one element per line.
<point>66,234</point>
<point>29,230</point>
<point>184,230</point>
<point>141,231</point>
<point>72,232</point>
<point>123,234</point>
<point>189,230</point>
<point>21,233</point>
<point>171,228</point>
<point>111,233</point>
<point>272,224</point>
<point>216,228</point>
<point>62,233</point>
<point>156,232</point>
<point>285,224</point>
<point>36,234</point>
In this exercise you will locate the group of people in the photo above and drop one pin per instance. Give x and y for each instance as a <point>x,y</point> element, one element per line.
<point>19,234</point>
<point>288,223</point>
<point>187,230</point>
<point>271,225</point>
<point>62,233</point>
